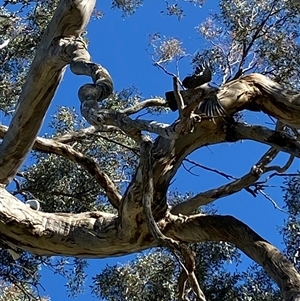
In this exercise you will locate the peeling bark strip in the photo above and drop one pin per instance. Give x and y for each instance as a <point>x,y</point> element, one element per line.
<point>47,68</point>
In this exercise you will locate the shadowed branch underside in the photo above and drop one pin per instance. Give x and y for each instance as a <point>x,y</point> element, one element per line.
<point>144,219</point>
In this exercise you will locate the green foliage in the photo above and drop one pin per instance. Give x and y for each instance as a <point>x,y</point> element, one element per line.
<point>19,279</point>
<point>10,292</point>
<point>291,228</point>
<point>243,36</point>
<point>25,271</point>
<point>166,49</point>
<point>253,36</point>
<point>154,276</point>
<point>73,270</point>
<point>149,277</point>
<point>127,6</point>
<point>257,285</point>
<point>22,24</point>
<point>122,100</point>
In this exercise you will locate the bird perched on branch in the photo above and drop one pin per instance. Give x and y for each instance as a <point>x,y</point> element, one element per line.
<point>210,104</point>
<point>202,75</point>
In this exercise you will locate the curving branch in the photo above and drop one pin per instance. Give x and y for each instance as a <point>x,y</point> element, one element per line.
<point>97,235</point>
<point>257,92</point>
<point>78,57</point>
<point>132,128</point>
<point>89,94</point>
<point>86,235</point>
<point>244,182</point>
<point>75,136</point>
<point>153,102</point>
<point>227,228</point>
<point>46,71</point>
<point>254,92</point>
<point>51,146</point>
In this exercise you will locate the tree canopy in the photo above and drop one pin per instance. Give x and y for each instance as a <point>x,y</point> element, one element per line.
<point>103,177</point>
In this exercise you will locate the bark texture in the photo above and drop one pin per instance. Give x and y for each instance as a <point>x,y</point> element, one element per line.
<point>144,218</point>
<point>70,19</point>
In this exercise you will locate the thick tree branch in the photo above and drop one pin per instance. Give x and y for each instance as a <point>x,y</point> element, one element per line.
<point>279,140</point>
<point>90,94</point>
<point>79,59</point>
<point>254,92</point>
<point>70,19</point>
<point>226,228</point>
<point>86,235</point>
<point>96,235</point>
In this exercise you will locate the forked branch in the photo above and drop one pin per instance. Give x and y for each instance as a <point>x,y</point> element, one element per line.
<point>235,186</point>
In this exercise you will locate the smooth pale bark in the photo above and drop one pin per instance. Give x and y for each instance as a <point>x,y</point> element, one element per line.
<point>96,235</point>
<point>254,92</point>
<point>87,235</point>
<point>227,228</point>
<point>70,19</point>
<point>277,139</point>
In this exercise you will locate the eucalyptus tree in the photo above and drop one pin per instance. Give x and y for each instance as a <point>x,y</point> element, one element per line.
<point>104,187</point>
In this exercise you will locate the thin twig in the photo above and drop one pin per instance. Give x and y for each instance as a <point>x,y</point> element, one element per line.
<point>272,201</point>
<point>221,173</point>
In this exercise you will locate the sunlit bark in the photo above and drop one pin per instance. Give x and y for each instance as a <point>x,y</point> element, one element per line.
<point>70,19</point>
<point>99,234</point>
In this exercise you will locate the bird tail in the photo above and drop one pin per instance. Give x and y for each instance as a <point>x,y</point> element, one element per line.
<point>171,100</point>
<point>212,107</point>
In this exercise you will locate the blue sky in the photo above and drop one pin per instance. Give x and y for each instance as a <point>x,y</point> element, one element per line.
<point>120,45</point>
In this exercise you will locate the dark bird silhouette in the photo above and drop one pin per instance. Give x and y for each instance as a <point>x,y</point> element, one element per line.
<point>202,75</point>
<point>210,105</point>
